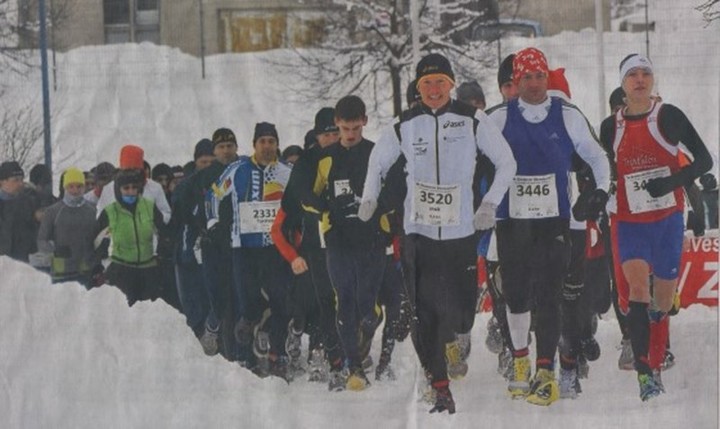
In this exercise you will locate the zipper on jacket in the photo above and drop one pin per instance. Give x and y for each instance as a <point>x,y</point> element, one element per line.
<point>437,162</point>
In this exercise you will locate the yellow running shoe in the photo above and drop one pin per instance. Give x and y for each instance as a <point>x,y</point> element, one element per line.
<point>544,389</point>
<point>357,381</point>
<point>457,367</point>
<point>519,380</point>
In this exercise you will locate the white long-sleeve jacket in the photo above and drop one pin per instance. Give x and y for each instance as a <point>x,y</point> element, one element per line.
<point>441,149</point>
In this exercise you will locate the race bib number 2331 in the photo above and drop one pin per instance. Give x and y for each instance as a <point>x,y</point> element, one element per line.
<point>257,216</point>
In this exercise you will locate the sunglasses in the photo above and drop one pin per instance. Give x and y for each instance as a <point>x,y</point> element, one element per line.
<point>129,187</point>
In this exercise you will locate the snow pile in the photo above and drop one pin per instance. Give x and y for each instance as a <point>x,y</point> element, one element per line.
<point>75,358</point>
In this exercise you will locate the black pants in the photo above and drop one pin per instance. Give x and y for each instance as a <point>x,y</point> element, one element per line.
<point>441,279</point>
<point>138,284</point>
<point>259,273</point>
<point>356,275</point>
<point>312,304</point>
<point>533,258</point>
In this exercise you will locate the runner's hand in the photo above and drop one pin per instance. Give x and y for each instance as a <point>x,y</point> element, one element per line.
<point>367,209</point>
<point>484,218</point>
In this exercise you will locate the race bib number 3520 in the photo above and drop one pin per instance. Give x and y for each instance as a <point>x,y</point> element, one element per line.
<point>257,216</point>
<point>436,205</point>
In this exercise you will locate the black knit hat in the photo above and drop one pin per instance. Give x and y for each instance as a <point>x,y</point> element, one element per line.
<point>433,64</point>
<point>469,91</point>
<point>263,129</point>
<point>203,148</point>
<point>10,169</point>
<point>223,135</point>
<point>127,177</point>
<point>617,98</point>
<point>162,169</point>
<point>505,70</point>
<point>40,175</point>
<point>104,172</point>
<point>325,121</point>
<point>310,139</point>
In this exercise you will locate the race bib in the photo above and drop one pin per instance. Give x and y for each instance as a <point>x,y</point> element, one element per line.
<point>342,187</point>
<point>257,216</point>
<point>639,200</point>
<point>436,205</point>
<point>533,197</point>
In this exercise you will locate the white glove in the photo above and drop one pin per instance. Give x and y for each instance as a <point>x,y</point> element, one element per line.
<point>485,216</point>
<point>366,210</point>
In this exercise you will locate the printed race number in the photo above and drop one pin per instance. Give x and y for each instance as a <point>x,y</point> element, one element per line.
<point>436,205</point>
<point>533,197</point>
<point>639,200</point>
<point>257,216</point>
<point>342,187</point>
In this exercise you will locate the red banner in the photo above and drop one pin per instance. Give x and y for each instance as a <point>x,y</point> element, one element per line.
<point>698,282</point>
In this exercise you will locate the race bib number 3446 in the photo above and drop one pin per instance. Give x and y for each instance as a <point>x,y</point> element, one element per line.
<point>257,216</point>
<point>436,205</point>
<point>533,197</point>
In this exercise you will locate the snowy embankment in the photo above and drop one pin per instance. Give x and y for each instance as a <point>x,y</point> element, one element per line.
<point>71,358</point>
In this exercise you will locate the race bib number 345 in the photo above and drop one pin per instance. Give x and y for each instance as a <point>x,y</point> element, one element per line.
<point>436,205</point>
<point>533,197</point>
<point>639,200</point>
<point>257,216</point>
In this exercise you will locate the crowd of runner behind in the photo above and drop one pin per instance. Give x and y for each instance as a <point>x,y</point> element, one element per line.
<point>454,207</point>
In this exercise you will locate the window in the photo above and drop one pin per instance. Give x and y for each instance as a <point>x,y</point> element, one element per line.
<point>131,21</point>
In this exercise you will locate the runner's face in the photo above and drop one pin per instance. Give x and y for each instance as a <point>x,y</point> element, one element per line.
<point>266,148</point>
<point>350,131</point>
<point>12,185</point>
<point>532,87</point>
<point>204,162</point>
<point>75,189</point>
<point>638,84</point>
<point>326,139</point>
<point>225,152</point>
<point>435,91</point>
<point>509,91</point>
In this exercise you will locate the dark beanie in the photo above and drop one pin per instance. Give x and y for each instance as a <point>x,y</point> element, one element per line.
<point>263,129</point>
<point>40,175</point>
<point>469,91</point>
<point>433,64</point>
<point>223,135</point>
<point>310,139</point>
<point>203,148</point>
<point>128,177</point>
<point>10,169</point>
<point>505,70</point>
<point>325,121</point>
<point>617,98</point>
<point>293,150</point>
<point>104,172</point>
<point>412,95</point>
<point>162,169</point>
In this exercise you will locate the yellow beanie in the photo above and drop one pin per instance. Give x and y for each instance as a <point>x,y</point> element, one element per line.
<point>73,175</point>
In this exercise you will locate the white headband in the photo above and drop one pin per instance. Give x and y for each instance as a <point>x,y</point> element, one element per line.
<point>635,61</point>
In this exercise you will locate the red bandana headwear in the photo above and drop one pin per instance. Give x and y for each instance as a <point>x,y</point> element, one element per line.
<point>528,60</point>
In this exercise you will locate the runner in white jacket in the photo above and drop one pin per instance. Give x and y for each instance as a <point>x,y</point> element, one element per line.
<point>441,140</point>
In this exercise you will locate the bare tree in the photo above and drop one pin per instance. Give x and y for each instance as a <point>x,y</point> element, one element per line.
<point>20,130</point>
<point>368,48</point>
<point>710,10</point>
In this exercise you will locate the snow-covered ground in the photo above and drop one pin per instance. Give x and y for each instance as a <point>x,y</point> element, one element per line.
<point>71,358</point>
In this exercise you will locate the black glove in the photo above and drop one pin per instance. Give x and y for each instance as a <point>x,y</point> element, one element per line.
<point>696,223</point>
<point>165,248</point>
<point>708,182</point>
<point>660,186</point>
<point>590,205</point>
<point>97,276</point>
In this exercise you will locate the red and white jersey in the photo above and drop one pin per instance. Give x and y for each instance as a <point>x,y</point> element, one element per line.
<point>642,153</point>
